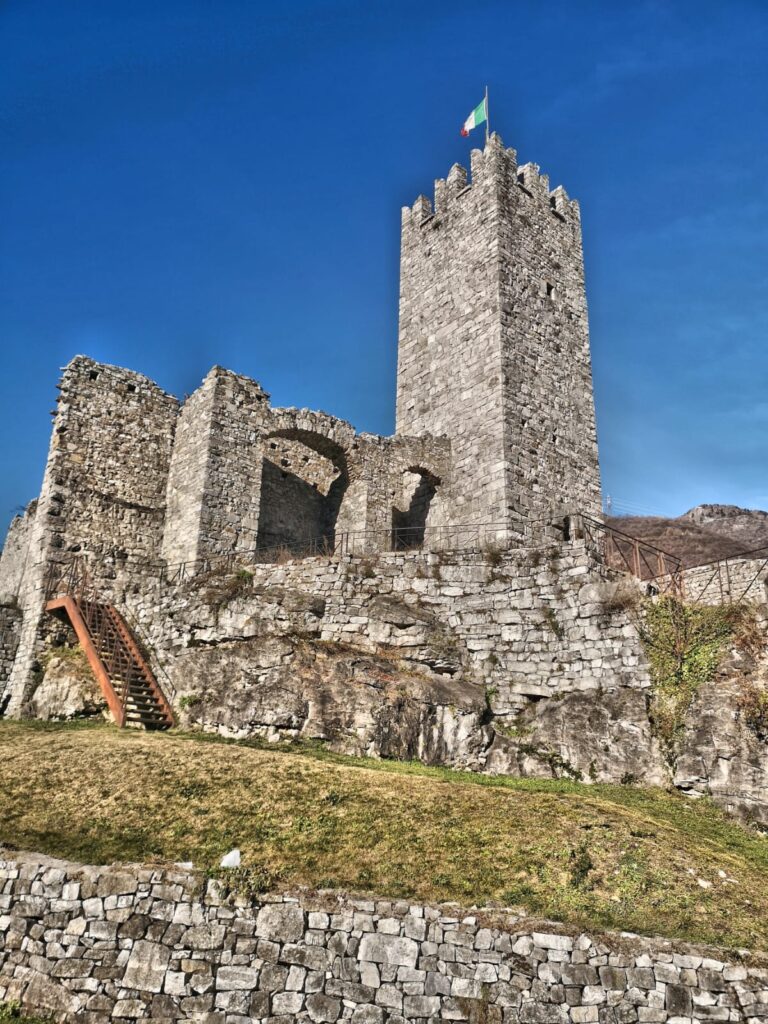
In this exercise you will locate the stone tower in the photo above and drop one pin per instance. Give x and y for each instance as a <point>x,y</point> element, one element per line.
<point>494,341</point>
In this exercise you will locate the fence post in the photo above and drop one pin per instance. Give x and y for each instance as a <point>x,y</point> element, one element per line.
<point>636,559</point>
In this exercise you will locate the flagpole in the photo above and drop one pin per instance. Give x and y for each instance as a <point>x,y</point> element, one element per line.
<point>487,117</point>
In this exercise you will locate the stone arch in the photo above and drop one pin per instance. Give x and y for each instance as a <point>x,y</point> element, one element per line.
<point>303,481</point>
<point>414,512</point>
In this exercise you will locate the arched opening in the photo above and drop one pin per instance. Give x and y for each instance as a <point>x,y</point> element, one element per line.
<point>413,513</point>
<point>303,480</point>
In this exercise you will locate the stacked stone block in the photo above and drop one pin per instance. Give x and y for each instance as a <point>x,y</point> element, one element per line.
<point>529,623</point>
<point>134,943</point>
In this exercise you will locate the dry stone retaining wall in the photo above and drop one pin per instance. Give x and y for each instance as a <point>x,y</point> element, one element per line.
<point>97,944</point>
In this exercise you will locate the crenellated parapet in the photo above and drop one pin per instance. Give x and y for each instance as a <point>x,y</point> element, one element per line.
<point>494,167</point>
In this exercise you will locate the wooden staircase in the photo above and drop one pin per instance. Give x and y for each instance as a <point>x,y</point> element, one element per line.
<point>129,686</point>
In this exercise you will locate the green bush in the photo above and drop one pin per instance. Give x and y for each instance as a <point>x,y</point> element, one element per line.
<point>685,645</point>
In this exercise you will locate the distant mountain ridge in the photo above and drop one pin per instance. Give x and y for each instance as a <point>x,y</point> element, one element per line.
<point>705,533</point>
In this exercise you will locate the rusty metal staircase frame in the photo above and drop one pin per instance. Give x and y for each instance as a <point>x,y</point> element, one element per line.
<point>122,671</point>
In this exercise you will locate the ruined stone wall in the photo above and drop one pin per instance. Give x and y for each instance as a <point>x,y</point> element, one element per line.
<point>103,493</point>
<point>111,444</point>
<point>494,345</point>
<point>126,943</point>
<point>10,632</point>
<point>245,475</point>
<point>188,476</point>
<point>15,553</point>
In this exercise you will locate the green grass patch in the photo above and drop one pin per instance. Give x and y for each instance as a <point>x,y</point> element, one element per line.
<point>594,856</point>
<point>11,1013</point>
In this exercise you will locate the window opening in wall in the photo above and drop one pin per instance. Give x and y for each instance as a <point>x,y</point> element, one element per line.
<point>550,289</point>
<point>93,374</point>
<point>411,513</point>
<point>299,504</point>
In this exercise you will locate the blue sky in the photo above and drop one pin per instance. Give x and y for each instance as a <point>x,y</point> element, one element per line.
<point>217,181</point>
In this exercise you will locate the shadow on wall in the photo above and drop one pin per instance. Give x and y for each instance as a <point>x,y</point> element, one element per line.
<point>304,479</point>
<point>417,509</point>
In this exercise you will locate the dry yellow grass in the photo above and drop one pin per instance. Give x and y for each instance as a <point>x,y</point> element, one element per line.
<point>595,856</point>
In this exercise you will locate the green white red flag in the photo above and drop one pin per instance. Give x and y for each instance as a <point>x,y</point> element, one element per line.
<point>478,115</point>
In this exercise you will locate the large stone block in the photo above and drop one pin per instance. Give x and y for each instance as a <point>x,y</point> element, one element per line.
<point>388,949</point>
<point>146,966</point>
<point>280,922</point>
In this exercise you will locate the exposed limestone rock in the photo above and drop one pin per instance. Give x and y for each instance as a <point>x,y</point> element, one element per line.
<point>356,702</point>
<point>598,736</point>
<point>720,756</point>
<point>67,689</point>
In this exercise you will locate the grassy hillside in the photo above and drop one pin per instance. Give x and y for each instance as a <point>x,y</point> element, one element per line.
<point>595,856</point>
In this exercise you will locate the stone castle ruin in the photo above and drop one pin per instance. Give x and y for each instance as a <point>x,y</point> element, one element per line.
<point>442,593</point>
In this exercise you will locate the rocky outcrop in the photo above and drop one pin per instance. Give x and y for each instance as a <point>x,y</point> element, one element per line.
<point>67,689</point>
<point>602,736</point>
<point>527,663</point>
<point>719,754</point>
<point>134,943</point>
<point>357,703</point>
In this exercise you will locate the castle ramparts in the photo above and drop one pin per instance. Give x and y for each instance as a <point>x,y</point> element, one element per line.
<point>424,594</point>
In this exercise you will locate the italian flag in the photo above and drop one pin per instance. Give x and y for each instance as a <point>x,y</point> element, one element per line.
<point>478,115</point>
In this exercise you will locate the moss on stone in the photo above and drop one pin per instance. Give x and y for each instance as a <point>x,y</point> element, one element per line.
<point>12,1013</point>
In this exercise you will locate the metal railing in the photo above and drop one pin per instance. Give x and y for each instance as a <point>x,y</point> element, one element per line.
<point>625,553</point>
<point>475,536</point>
<point>149,653</point>
<point>721,578</point>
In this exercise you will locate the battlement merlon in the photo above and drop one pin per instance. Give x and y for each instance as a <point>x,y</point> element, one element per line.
<point>494,164</point>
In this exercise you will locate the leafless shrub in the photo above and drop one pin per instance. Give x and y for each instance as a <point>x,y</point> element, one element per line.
<point>622,596</point>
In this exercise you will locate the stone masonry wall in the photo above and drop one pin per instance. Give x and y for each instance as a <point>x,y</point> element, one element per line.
<point>492,661</point>
<point>16,552</point>
<point>135,943</point>
<point>246,475</point>
<point>103,493</point>
<point>526,662</point>
<point>188,477</point>
<point>550,440</point>
<point>732,579</point>
<point>529,621</point>
<point>494,342</point>
<point>113,434</point>
<point>10,631</point>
